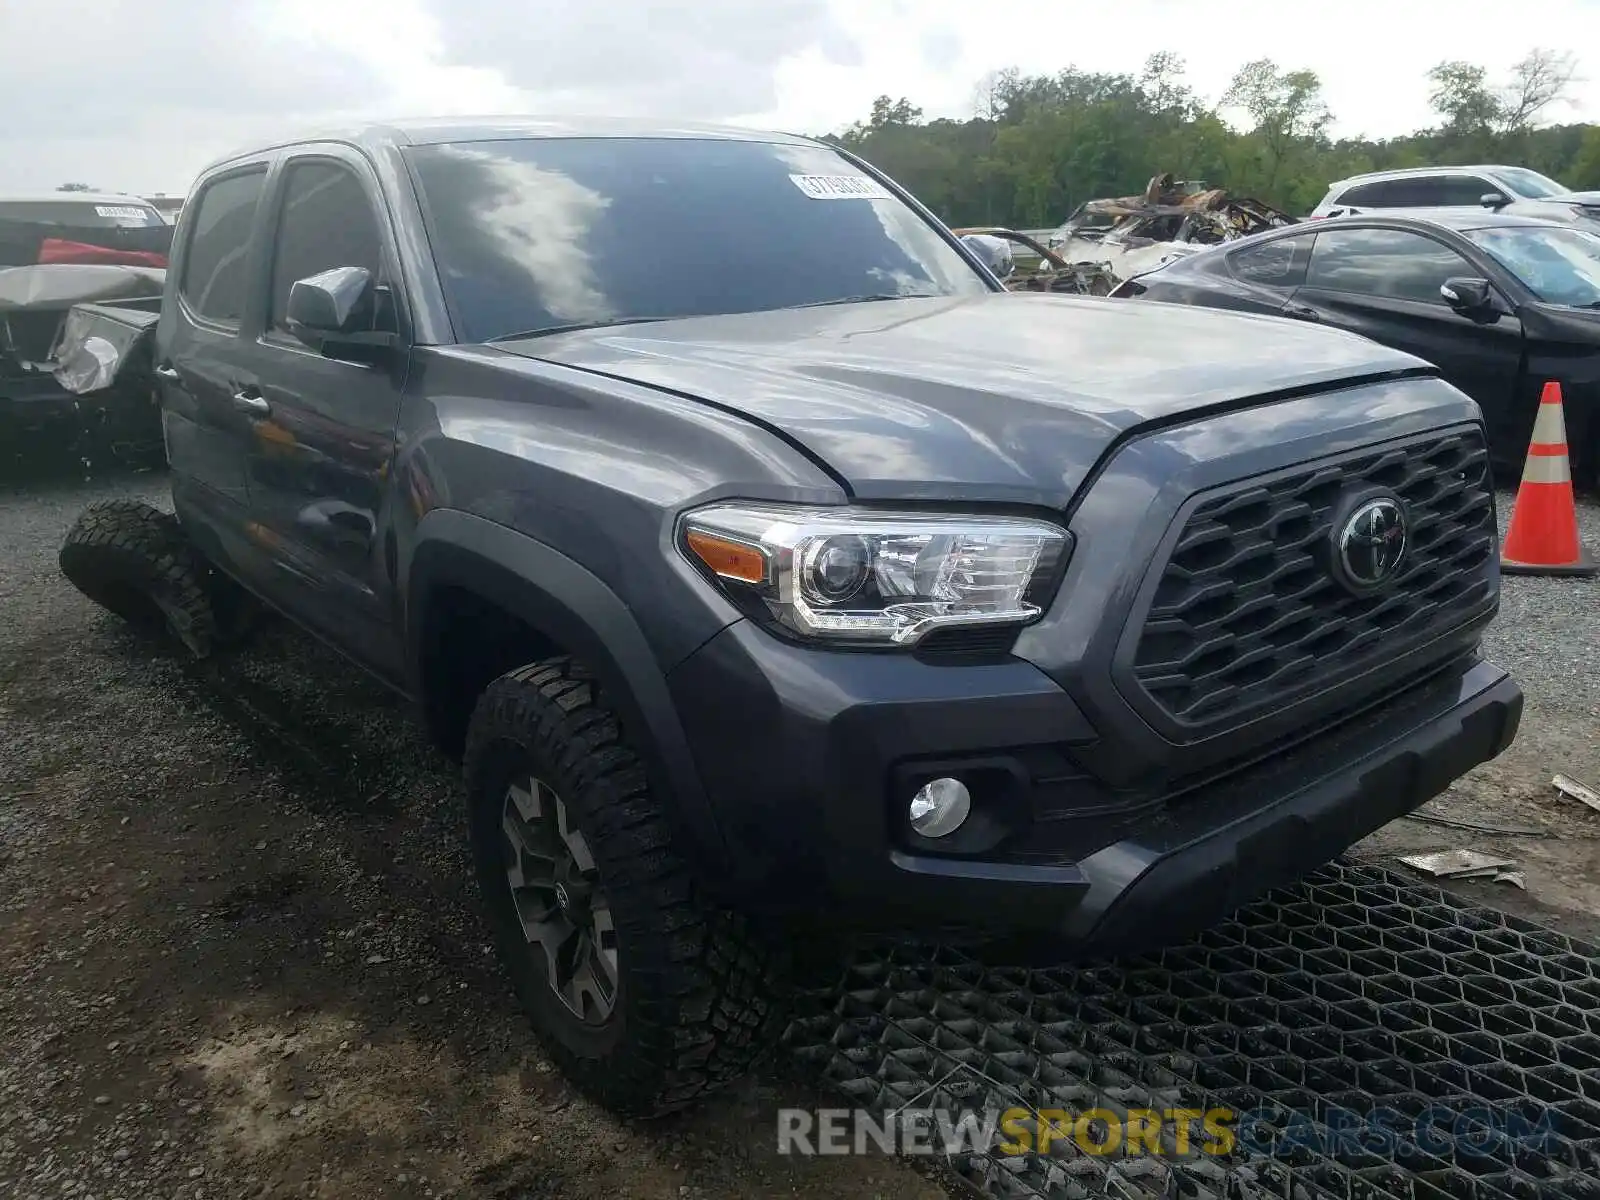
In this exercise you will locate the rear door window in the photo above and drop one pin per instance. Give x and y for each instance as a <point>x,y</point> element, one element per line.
<point>1391,263</point>
<point>215,262</point>
<point>1276,264</point>
<point>1450,191</point>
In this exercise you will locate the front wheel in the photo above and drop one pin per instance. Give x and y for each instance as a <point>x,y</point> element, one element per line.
<point>647,996</point>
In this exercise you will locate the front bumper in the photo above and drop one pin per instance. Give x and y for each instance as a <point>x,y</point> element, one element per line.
<point>803,753</point>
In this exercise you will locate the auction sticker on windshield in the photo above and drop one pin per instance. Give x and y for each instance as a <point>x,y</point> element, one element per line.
<point>840,187</point>
<point>121,211</point>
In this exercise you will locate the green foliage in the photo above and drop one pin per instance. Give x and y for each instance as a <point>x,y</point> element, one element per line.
<point>1037,146</point>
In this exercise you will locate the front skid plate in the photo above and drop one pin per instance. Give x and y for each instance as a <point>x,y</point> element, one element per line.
<point>1371,1037</point>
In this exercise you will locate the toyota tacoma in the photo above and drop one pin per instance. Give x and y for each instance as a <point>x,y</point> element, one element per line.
<point>777,574</point>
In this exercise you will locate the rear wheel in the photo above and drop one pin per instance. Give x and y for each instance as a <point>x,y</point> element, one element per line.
<point>134,560</point>
<point>646,995</point>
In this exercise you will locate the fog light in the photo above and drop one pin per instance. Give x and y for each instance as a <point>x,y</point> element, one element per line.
<point>939,807</point>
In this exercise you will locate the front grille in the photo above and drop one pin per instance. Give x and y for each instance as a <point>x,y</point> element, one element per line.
<point>1248,615</point>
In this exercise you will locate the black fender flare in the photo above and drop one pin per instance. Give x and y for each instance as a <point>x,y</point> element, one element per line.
<point>573,607</point>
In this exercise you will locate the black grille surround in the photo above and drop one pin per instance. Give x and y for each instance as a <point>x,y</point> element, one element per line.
<point>1245,614</point>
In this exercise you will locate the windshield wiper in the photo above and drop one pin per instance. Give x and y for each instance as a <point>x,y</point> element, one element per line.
<point>578,326</point>
<point>575,327</point>
<point>868,299</point>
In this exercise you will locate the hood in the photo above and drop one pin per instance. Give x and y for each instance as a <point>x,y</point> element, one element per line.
<point>1008,395</point>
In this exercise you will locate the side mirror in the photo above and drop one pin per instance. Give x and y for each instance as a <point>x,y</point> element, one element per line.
<point>994,252</point>
<point>1466,295</point>
<point>330,302</point>
<point>1493,200</point>
<point>332,312</point>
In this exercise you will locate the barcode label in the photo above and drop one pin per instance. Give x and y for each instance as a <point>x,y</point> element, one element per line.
<point>840,187</point>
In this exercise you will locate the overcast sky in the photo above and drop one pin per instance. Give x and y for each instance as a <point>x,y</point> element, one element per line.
<point>137,96</point>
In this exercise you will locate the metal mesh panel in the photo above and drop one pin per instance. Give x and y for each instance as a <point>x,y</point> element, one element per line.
<point>1312,1008</point>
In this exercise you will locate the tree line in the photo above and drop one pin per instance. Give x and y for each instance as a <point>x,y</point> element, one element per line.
<point>1037,146</point>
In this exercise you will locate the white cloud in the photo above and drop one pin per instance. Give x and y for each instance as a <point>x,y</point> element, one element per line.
<point>138,96</point>
<point>1372,55</point>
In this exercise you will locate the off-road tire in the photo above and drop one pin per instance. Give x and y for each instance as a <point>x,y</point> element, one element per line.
<point>134,560</point>
<point>699,997</point>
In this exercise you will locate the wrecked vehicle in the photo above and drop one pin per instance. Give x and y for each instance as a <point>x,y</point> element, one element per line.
<point>82,227</point>
<point>1052,272</point>
<point>1171,219</point>
<point>853,595</point>
<point>75,386</point>
<point>75,374</point>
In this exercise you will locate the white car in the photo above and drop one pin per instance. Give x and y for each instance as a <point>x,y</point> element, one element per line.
<point>1437,187</point>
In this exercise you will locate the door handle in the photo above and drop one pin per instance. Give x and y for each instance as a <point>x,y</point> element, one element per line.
<point>169,373</point>
<point>251,401</point>
<point>1300,312</point>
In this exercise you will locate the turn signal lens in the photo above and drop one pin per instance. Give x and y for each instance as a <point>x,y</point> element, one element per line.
<point>728,559</point>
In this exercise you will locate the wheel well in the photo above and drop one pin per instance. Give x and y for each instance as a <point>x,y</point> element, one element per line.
<point>468,643</point>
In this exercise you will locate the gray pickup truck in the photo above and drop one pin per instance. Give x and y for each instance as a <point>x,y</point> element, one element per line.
<point>777,574</point>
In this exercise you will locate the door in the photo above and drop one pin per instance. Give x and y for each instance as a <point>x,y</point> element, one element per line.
<point>199,349</point>
<point>323,429</point>
<point>1384,284</point>
<point>1563,345</point>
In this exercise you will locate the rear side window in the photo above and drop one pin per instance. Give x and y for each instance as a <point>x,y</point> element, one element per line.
<point>1383,262</point>
<point>1387,193</point>
<point>83,214</point>
<point>1277,264</point>
<point>215,261</point>
<point>327,222</point>
<point>1422,191</point>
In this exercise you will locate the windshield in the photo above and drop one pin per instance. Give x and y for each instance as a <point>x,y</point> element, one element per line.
<point>1531,185</point>
<point>1561,266</point>
<point>539,233</point>
<point>82,214</point>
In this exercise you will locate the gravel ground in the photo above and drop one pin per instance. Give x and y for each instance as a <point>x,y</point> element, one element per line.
<point>238,962</point>
<point>237,958</point>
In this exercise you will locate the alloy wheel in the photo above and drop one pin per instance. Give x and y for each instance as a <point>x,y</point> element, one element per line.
<point>559,901</point>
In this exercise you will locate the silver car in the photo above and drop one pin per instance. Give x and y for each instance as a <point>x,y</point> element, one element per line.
<point>1440,187</point>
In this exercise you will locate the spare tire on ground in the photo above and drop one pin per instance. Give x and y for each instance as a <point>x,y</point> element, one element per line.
<point>134,560</point>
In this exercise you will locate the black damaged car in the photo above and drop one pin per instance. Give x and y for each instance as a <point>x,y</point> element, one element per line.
<point>1500,304</point>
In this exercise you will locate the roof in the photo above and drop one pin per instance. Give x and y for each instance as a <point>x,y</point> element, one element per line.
<point>1460,219</point>
<point>72,198</point>
<point>426,131</point>
<point>1412,172</point>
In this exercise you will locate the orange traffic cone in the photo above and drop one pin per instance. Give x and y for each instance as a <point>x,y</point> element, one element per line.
<point>1543,538</point>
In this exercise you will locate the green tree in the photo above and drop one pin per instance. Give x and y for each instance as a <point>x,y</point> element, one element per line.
<point>1584,173</point>
<point>1287,115</point>
<point>886,112</point>
<point>1034,147</point>
<point>1460,93</point>
<point>1484,120</point>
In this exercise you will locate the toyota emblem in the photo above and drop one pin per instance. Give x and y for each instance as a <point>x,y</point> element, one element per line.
<point>1372,543</point>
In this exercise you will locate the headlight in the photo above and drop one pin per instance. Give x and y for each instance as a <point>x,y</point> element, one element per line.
<point>859,575</point>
